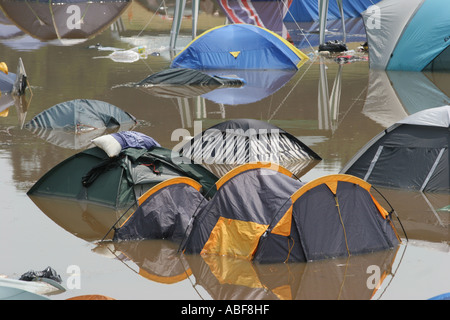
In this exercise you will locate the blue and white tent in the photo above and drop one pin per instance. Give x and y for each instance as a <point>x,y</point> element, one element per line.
<point>411,35</point>
<point>239,46</point>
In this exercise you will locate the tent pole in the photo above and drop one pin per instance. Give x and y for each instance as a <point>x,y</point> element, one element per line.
<point>341,9</point>
<point>176,24</point>
<point>195,10</point>
<point>323,16</point>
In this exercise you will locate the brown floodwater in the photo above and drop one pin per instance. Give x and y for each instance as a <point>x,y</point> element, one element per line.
<point>36,233</point>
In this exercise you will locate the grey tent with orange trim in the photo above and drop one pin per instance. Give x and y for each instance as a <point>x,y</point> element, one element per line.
<point>261,213</point>
<point>164,211</point>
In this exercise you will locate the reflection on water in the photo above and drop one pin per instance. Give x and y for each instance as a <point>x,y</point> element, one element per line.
<point>226,278</point>
<point>85,220</point>
<point>63,20</point>
<point>334,109</point>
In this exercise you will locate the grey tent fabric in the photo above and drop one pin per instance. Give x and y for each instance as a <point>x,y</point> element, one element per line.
<point>164,213</point>
<point>411,154</point>
<point>317,226</point>
<point>266,193</point>
<point>81,115</point>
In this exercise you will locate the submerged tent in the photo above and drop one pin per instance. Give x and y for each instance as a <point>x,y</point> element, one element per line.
<point>185,82</point>
<point>188,77</point>
<point>411,154</point>
<point>239,46</point>
<point>118,181</point>
<point>73,124</point>
<point>238,141</point>
<point>260,213</point>
<point>164,211</point>
<point>81,115</point>
<point>409,35</point>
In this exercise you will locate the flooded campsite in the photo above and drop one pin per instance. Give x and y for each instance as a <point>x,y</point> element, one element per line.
<point>116,134</point>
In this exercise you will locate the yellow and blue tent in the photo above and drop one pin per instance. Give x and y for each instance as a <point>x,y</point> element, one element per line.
<point>261,213</point>
<point>239,46</point>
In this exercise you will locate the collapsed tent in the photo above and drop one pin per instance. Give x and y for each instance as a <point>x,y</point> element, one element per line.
<point>184,82</point>
<point>411,154</point>
<point>189,77</point>
<point>164,211</point>
<point>408,35</point>
<point>239,46</point>
<point>235,142</point>
<point>73,124</point>
<point>260,213</point>
<point>118,181</point>
<point>81,115</point>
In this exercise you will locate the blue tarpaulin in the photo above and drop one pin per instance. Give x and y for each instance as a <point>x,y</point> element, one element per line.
<point>307,10</point>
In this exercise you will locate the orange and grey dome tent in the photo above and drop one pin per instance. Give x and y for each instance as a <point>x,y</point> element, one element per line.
<point>261,213</point>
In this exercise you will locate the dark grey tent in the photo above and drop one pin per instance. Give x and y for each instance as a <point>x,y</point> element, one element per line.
<point>189,77</point>
<point>91,175</point>
<point>235,142</point>
<point>411,154</point>
<point>164,211</point>
<point>186,83</point>
<point>260,213</point>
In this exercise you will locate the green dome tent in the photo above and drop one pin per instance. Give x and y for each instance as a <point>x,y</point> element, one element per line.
<point>117,182</point>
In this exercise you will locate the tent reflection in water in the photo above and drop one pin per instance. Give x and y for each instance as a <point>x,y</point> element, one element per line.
<point>63,19</point>
<point>156,260</point>
<point>280,219</point>
<point>228,278</point>
<point>386,160</point>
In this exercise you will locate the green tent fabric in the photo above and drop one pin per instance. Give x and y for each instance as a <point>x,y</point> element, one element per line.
<point>117,182</point>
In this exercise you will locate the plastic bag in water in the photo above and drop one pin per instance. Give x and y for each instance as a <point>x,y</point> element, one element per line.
<point>47,273</point>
